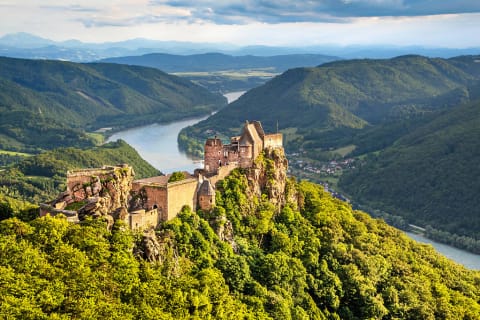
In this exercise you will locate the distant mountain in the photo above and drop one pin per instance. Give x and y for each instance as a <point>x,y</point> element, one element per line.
<point>24,45</point>
<point>318,106</point>
<point>48,104</point>
<point>430,176</point>
<point>219,62</point>
<point>24,40</point>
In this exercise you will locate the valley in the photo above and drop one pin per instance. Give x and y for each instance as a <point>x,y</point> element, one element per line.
<point>337,113</point>
<point>270,160</point>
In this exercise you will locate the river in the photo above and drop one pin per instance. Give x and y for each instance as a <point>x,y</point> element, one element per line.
<point>157,143</point>
<point>469,260</point>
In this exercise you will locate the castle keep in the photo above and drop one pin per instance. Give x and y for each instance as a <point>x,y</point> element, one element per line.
<point>112,192</point>
<point>242,150</point>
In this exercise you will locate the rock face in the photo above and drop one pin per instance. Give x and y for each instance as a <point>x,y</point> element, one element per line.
<point>268,175</point>
<point>106,193</point>
<point>98,193</point>
<point>224,230</point>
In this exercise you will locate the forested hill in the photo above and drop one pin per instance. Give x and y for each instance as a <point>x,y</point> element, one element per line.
<point>48,104</point>
<point>429,176</point>
<point>209,62</point>
<point>315,258</point>
<point>318,103</point>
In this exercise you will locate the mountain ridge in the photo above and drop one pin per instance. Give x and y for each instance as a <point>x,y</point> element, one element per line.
<point>75,97</point>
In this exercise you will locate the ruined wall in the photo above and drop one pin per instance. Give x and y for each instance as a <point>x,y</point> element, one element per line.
<point>222,173</point>
<point>45,209</point>
<point>143,219</point>
<point>181,193</point>
<point>274,140</point>
<point>156,197</point>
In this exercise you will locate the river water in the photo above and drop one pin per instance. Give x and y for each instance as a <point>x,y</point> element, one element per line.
<point>469,260</point>
<point>157,143</point>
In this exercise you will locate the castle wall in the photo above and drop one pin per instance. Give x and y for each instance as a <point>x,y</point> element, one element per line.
<point>246,156</point>
<point>142,219</point>
<point>222,173</point>
<point>80,185</point>
<point>274,140</point>
<point>156,197</point>
<point>117,180</point>
<point>181,193</point>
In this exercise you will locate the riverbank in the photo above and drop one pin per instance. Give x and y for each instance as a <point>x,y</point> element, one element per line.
<point>468,259</point>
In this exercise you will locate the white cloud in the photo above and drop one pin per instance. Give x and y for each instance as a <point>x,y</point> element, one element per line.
<point>175,20</point>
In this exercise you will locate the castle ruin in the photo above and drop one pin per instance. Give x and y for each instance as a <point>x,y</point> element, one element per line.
<point>112,192</point>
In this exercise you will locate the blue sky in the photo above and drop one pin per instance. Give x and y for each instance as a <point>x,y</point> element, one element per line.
<point>440,23</point>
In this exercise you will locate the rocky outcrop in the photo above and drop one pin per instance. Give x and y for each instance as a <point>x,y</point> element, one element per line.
<point>98,193</point>
<point>224,230</point>
<point>268,175</point>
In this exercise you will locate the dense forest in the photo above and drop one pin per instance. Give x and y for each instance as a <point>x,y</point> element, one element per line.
<point>41,177</point>
<point>313,258</point>
<point>429,175</point>
<point>49,104</point>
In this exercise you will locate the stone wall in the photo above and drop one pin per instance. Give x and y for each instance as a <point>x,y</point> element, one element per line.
<point>181,193</point>
<point>222,173</point>
<point>274,140</point>
<point>206,202</point>
<point>112,181</point>
<point>143,219</point>
<point>46,209</point>
<point>156,198</point>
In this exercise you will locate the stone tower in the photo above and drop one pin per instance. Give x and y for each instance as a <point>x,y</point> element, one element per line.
<point>213,154</point>
<point>206,195</point>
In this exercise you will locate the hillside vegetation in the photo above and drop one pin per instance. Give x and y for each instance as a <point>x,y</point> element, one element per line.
<point>47,104</point>
<point>430,175</point>
<point>317,107</point>
<point>315,259</point>
<point>42,177</point>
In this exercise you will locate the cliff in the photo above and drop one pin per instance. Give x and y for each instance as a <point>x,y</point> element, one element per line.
<point>101,192</point>
<point>268,175</point>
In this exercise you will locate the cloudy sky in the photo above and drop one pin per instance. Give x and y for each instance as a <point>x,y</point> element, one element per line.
<point>444,23</point>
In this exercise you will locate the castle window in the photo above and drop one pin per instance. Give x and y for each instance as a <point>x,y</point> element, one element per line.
<point>155,206</point>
